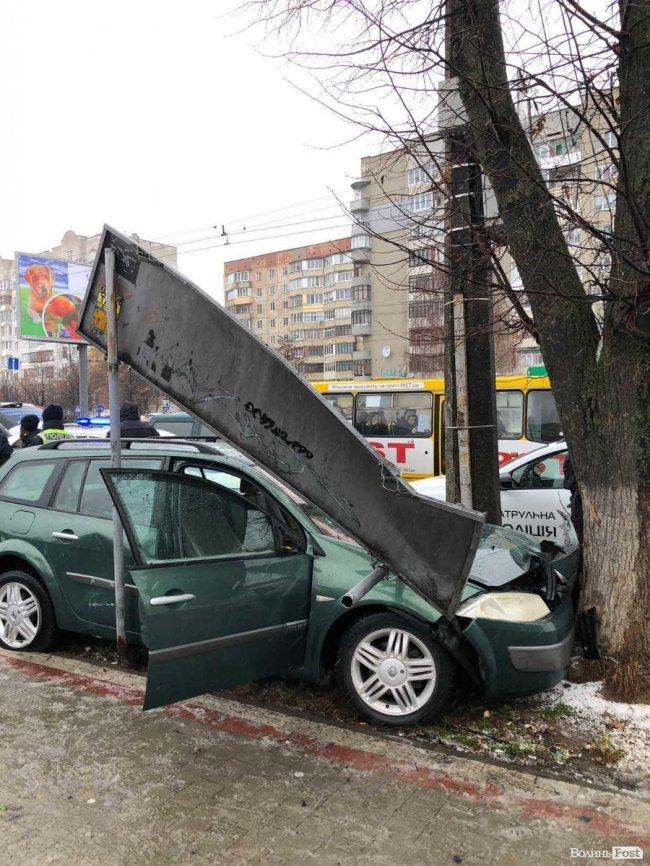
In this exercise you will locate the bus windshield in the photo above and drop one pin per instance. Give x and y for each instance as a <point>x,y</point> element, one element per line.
<point>404,414</point>
<point>542,421</point>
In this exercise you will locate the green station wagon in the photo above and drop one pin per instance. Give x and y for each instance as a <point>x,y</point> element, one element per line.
<point>230,578</point>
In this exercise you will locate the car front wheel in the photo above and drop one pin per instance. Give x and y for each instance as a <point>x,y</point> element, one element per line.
<point>26,615</point>
<point>392,671</point>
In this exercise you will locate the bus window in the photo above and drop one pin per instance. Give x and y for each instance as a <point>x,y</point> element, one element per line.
<point>400,414</point>
<point>341,403</point>
<point>542,421</point>
<point>510,406</point>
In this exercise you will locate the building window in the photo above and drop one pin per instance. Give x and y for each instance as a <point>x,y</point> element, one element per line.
<point>259,325</point>
<point>529,358</point>
<point>610,139</point>
<point>285,305</point>
<point>606,173</point>
<point>285,320</point>
<point>543,151</point>
<point>231,294</point>
<point>259,308</point>
<point>343,276</point>
<point>271,290</point>
<point>258,291</point>
<point>271,273</point>
<point>360,242</point>
<point>285,288</point>
<point>606,202</point>
<point>572,237</point>
<point>418,175</point>
<point>361,317</point>
<point>361,293</point>
<point>515,278</point>
<point>273,323</point>
<point>258,275</point>
<point>272,305</point>
<point>422,202</point>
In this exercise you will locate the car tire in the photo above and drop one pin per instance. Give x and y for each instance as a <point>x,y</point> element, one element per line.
<point>394,672</point>
<point>27,621</point>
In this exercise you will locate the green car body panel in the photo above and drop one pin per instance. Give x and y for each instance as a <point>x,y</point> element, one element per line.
<point>276,614</point>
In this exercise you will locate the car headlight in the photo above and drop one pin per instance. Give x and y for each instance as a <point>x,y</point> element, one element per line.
<point>506,606</point>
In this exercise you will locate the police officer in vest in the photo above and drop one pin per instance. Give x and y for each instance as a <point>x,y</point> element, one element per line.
<point>53,429</point>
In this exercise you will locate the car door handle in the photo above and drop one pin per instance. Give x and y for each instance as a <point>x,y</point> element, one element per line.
<point>66,535</point>
<point>171,599</point>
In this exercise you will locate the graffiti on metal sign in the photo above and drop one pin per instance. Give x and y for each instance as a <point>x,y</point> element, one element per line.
<point>270,425</point>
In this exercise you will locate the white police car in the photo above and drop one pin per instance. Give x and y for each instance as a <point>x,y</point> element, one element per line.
<point>533,498</point>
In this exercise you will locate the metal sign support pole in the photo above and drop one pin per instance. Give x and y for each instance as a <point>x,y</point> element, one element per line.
<point>114,407</point>
<point>83,380</point>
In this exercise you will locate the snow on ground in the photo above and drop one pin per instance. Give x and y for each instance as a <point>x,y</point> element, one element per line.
<point>627,726</point>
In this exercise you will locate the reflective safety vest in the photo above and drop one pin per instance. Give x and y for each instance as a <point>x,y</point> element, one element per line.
<point>54,435</point>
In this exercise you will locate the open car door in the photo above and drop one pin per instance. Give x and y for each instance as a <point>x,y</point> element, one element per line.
<point>223,601</point>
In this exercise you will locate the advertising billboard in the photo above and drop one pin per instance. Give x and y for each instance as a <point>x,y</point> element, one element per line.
<point>50,298</point>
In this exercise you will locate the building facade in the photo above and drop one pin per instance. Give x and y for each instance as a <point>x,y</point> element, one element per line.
<point>398,235</point>
<point>303,302</point>
<point>47,356</point>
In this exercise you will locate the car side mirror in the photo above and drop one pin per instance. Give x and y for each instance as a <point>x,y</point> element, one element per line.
<point>506,482</point>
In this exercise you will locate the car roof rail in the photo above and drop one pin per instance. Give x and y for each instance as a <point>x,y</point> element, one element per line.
<point>152,443</point>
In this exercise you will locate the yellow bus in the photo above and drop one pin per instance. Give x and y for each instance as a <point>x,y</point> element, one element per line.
<point>404,420</point>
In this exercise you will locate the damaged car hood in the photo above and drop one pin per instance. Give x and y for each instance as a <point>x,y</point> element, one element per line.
<point>502,556</point>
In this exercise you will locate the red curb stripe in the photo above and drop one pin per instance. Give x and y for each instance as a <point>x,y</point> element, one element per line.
<point>532,808</point>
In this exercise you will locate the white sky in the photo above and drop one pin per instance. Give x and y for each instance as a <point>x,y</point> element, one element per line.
<point>159,117</point>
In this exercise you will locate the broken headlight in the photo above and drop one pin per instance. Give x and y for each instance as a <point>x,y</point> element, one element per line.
<point>505,606</point>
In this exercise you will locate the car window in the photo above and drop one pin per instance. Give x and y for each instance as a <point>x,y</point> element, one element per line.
<point>10,416</point>
<point>95,499</point>
<point>510,405</point>
<point>542,421</point>
<point>187,518</point>
<point>545,473</point>
<point>67,496</point>
<point>27,481</point>
<point>176,426</point>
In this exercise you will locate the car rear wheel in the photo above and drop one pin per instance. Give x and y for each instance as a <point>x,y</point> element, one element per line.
<point>392,671</point>
<point>26,615</point>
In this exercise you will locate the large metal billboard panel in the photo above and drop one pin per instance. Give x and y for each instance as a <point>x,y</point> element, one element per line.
<point>179,339</point>
<point>50,297</point>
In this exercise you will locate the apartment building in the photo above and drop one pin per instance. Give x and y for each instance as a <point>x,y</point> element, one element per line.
<point>47,356</point>
<point>301,301</point>
<point>398,235</point>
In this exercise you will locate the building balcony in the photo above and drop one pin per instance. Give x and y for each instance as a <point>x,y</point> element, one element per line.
<point>360,184</point>
<point>241,301</point>
<point>361,355</point>
<point>363,280</point>
<point>360,254</point>
<point>362,329</point>
<point>570,158</point>
<point>359,205</point>
<point>361,304</point>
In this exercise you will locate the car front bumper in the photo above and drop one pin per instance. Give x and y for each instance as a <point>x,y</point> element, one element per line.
<point>522,658</point>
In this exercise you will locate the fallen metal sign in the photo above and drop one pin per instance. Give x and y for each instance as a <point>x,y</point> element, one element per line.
<point>192,349</point>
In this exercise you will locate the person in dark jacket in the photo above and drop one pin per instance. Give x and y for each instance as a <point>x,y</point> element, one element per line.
<point>575,505</point>
<point>5,448</point>
<point>53,428</point>
<point>131,427</point>
<point>28,432</point>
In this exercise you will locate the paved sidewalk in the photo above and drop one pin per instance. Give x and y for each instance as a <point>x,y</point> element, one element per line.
<point>89,780</point>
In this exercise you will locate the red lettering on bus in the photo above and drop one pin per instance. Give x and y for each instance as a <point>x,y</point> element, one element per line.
<point>400,450</point>
<point>378,446</point>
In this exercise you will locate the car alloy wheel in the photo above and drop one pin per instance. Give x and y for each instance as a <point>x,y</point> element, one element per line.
<point>20,615</point>
<point>393,671</point>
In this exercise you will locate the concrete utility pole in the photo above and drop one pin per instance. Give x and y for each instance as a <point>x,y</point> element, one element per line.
<point>116,452</point>
<point>471,441</point>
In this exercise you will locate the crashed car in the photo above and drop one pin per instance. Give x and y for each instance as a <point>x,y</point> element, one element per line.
<point>229,580</point>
